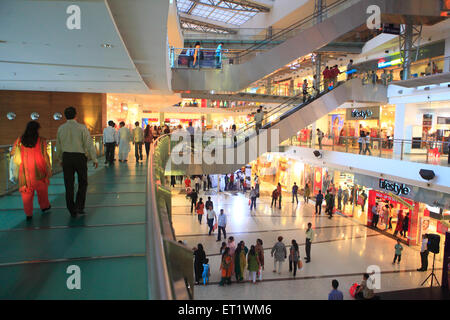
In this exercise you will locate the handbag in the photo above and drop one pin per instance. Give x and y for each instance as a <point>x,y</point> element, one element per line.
<point>300,264</point>
<point>14,164</point>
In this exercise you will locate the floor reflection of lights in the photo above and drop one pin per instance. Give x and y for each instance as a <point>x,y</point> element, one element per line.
<point>341,246</point>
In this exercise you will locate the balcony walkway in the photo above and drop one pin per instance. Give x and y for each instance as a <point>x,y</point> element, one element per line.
<point>108,244</point>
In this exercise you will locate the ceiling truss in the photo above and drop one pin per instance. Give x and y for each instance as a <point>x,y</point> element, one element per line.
<point>200,26</point>
<point>235,5</point>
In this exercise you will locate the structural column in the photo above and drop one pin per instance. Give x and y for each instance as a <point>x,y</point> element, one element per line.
<point>161,118</point>
<point>447,54</point>
<point>400,129</point>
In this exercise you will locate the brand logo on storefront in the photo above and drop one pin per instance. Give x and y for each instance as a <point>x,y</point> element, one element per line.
<point>364,114</point>
<point>399,189</point>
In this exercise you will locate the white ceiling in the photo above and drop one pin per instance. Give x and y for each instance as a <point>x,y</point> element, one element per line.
<point>41,53</point>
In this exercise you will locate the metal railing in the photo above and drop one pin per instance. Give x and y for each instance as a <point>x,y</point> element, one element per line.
<point>295,29</point>
<point>206,58</point>
<point>7,186</point>
<point>169,264</point>
<point>416,150</point>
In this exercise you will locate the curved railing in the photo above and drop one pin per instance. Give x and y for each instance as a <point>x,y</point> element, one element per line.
<point>169,263</point>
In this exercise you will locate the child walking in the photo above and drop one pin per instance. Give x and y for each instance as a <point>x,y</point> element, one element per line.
<point>206,272</point>
<point>398,252</point>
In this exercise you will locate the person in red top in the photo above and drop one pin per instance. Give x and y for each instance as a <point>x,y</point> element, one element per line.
<point>32,168</point>
<point>326,77</point>
<point>187,183</point>
<point>279,195</point>
<point>199,208</point>
<point>231,181</point>
<point>334,74</point>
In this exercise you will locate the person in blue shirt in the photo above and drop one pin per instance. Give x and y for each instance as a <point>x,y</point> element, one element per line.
<point>206,273</point>
<point>319,199</point>
<point>335,294</point>
<point>219,56</point>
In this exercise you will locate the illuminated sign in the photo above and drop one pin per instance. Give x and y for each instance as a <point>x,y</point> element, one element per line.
<point>383,64</point>
<point>361,113</point>
<point>399,189</point>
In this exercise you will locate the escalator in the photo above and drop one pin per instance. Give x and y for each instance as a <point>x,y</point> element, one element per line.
<point>302,38</point>
<point>279,124</point>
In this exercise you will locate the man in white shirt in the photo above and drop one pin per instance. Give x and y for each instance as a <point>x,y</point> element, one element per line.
<point>73,144</point>
<point>210,216</point>
<point>197,183</point>
<point>424,253</point>
<point>110,141</point>
<point>138,139</point>
<point>222,223</point>
<point>258,120</point>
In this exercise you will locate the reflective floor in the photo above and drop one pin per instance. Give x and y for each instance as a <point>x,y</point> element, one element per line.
<point>343,249</point>
<point>108,244</point>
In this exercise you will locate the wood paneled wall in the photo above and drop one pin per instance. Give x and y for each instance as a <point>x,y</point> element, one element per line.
<point>91,110</point>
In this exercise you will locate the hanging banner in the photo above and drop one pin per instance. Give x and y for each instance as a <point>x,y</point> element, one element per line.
<point>317,180</point>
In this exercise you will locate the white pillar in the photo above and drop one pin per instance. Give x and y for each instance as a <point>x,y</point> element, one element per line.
<point>447,54</point>
<point>399,128</point>
<point>313,134</point>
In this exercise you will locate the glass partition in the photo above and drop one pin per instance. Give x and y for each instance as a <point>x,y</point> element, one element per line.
<point>170,270</point>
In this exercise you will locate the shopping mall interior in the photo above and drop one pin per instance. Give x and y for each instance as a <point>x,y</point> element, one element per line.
<point>202,131</point>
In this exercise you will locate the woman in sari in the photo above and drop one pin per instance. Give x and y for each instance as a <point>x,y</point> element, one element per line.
<point>240,261</point>
<point>32,168</point>
<point>226,267</point>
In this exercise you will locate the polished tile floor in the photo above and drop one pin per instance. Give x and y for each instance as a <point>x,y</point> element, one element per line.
<point>108,244</point>
<point>343,249</point>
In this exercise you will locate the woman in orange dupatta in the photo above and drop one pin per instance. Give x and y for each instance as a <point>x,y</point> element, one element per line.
<point>34,169</point>
<point>226,266</point>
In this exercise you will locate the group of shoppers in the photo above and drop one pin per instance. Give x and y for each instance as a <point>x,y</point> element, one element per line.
<point>237,258</point>
<point>196,54</point>
<point>330,75</point>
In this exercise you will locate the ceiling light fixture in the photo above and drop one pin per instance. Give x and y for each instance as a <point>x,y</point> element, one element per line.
<point>107,45</point>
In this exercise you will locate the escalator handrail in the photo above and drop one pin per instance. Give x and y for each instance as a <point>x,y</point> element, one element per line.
<point>290,28</point>
<point>252,123</point>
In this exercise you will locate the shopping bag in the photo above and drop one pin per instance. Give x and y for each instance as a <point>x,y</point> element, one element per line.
<point>215,226</point>
<point>300,264</point>
<point>352,290</point>
<point>14,165</point>
<point>249,202</point>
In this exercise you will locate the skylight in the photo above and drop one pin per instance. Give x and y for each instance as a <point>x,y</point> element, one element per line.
<point>231,12</point>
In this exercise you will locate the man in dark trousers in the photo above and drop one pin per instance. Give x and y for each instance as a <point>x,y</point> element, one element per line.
<point>309,240</point>
<point>424,253</point>
<point>319,199</point>
<point>330,203</point>
<point>73,143</point>
<point>193,195</point>
<point>110,140</point>
<point>294,192</point>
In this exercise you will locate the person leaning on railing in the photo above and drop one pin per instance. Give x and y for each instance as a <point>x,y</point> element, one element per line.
<point>30,164</point>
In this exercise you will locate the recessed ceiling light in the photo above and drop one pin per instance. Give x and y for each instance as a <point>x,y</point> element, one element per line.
<point>107,45</point>
<point>2,41</point>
